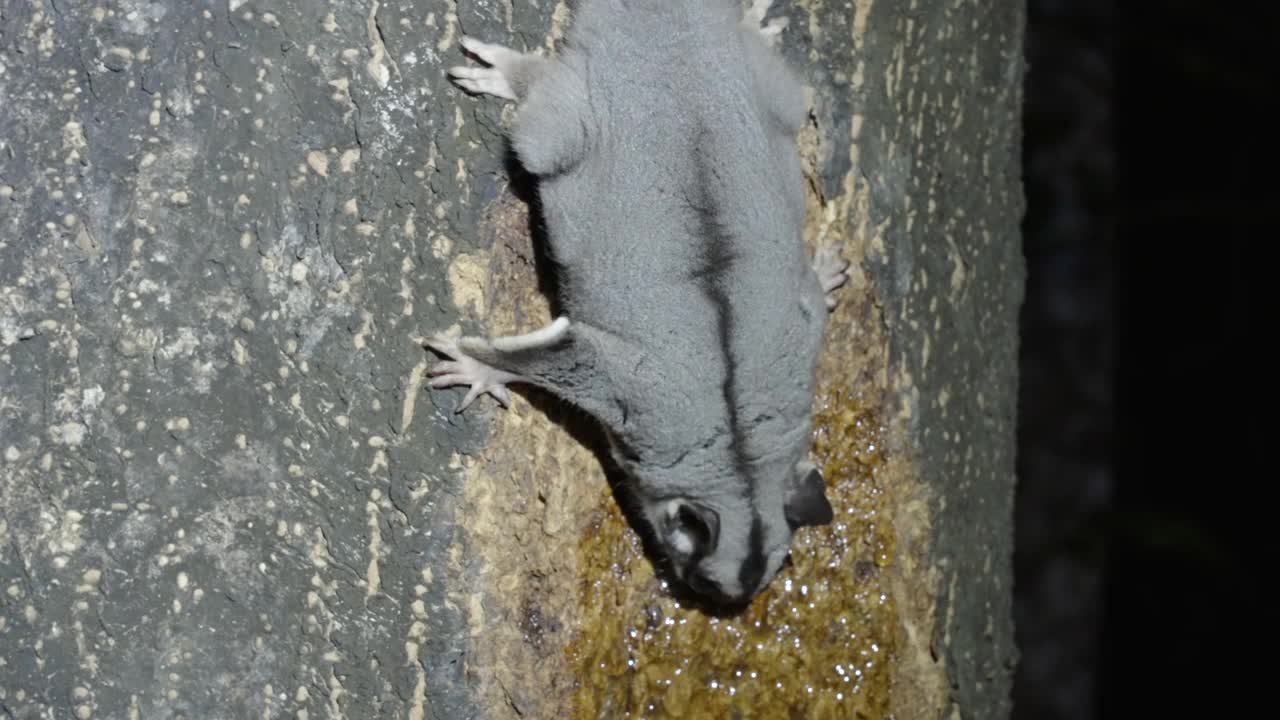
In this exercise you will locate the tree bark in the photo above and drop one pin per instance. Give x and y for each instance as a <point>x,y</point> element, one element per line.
<point>225,491</point>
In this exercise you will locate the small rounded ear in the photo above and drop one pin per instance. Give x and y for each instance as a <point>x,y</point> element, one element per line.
<point>807,499</point>
<point>692,528</point>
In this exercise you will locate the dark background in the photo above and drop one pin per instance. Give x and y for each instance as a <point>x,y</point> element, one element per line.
<point>1142,505</point>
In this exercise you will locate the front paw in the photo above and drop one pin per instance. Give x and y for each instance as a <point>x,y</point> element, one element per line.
<point>493,80</point>
<point>463,369</point>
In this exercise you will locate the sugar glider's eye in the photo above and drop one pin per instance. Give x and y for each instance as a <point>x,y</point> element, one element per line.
<point>692,529</point>
<point>699,525</point>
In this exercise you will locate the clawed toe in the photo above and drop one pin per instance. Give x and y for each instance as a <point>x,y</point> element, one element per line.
<point>489,53</point>
<point>482,81</point>
<point>444,368</point>
<point>832,272</point>
<point>443,345</point>
<point>447,380</point>
<point>491,80</point>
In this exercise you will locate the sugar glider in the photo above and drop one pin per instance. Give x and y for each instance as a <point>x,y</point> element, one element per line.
<point>663,140</point>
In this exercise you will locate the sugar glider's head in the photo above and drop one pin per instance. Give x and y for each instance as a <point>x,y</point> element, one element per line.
<point>725,548</point>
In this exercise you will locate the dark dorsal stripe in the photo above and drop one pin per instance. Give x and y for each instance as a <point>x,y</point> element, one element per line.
<point>753,568</point>
<point>717,265</point>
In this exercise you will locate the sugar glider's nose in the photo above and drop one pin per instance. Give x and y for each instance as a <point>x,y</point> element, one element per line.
<point>701,584</point>
<point>712,592</point>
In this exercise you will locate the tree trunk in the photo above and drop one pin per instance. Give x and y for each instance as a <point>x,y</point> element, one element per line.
<point>225,491</point>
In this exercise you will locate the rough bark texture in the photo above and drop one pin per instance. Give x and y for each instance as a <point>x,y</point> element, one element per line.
<point>224,494</point>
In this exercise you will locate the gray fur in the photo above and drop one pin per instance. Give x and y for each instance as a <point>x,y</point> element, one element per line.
<point>663,139</point>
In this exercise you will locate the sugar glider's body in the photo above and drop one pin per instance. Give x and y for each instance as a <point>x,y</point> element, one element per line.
<point>663,140</point>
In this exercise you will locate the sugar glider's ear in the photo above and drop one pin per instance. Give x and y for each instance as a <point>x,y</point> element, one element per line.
<point>807,502</point>
<point>690,528</point>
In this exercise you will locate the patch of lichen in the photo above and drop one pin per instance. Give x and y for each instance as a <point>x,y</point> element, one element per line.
<point>817,643</point>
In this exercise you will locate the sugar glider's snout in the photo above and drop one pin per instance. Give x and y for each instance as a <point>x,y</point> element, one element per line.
<point>726,549</point>
<point>701,548</point>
